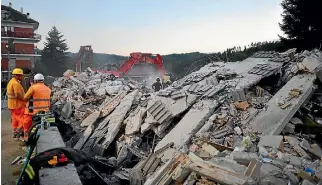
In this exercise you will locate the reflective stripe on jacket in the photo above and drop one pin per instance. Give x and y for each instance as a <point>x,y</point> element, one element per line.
<point>15,94</point>
<point>30,171</point>
<point>38,96</point>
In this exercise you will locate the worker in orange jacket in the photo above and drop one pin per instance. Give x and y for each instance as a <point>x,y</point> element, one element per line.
<point>16,104</point>
<point>38,99</point>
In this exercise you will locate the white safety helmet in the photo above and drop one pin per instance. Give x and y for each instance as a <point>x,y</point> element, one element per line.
<point>39,77</point>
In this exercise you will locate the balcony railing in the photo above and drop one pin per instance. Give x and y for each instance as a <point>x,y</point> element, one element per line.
<point>20,35</point>
<point>12,52</point>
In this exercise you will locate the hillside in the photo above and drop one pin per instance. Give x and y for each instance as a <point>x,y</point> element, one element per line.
<point>181,64</point>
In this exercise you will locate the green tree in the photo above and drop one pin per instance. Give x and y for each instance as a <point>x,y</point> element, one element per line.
<point>302,23</point>
<point>54,60</point>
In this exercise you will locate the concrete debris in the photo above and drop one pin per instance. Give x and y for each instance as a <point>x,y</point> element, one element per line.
<point>220,124</point>
<point>271,141</point>
<point>189,124</point>
<point>90,119</point>
<point>280,117</point>
<point>134,122</point>
<point>159,112</point>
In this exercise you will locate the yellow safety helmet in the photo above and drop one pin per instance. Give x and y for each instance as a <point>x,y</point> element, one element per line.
<point>17,71</point>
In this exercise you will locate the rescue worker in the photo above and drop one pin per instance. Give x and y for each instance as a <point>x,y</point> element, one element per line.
<point>38,99</point>
<point>167,84</point>
<point>16,104</point>
<point>157,86</point>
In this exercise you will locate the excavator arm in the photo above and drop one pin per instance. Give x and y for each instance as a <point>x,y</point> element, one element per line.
<point>142,57</point>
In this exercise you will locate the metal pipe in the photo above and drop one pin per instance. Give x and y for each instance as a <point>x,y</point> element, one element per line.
<point>96,173</point>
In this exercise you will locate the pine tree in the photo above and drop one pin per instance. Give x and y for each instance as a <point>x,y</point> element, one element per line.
<point>54,58</point>
<point>302,23</point>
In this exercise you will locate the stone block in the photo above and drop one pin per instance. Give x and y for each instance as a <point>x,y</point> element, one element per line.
<point>295,161</point>
<point>271,141</point>
<point>243,158</point>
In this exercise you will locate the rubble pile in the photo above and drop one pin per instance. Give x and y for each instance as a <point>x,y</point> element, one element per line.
<point>251,122</point>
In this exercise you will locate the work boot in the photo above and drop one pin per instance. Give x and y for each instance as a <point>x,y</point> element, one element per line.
<point>15,135</point>
<point>21,134</point>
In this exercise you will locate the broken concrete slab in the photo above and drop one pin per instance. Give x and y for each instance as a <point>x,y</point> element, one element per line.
<point>243,158</point>
<point>82,140</point>
<point>191,179</point>
<point>180,105</point>
<point>134,123</point>
<point>168,154</point>
<point>67,110</point>
<point>189,124</point>
<point>159,111</point>
<point>217,174</point>
<point>145,127</point>
<point>313,64</point>
<point>89,120</point>
<point>253,169</point>
<point>106,131</point>
<point>278,117</point>
<point>271,141</point>
<point>210,149</point>
<point>228,164</point>
<point>111,104</point>
<point>295,161</point>
<point>295,144</point>
<point>289,128</point>
<point>268,172</point>
<point>205,128</point>
<point>159,174</point>
<point>178,171</point>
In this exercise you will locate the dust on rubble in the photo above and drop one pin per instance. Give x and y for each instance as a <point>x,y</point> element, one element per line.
<point>228,123</point>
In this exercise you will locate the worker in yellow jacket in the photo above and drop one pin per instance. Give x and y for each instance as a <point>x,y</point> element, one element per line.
<point>16,104</point>
<point>38,99</point>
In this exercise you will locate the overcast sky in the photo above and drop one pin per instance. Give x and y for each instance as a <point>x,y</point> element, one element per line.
<point>158,26</point>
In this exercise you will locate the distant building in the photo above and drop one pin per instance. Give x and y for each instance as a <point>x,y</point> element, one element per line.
<point>17,40</point>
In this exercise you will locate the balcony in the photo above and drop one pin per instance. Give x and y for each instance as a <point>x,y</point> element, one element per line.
<point>30,37</point>
<point>17,53</point>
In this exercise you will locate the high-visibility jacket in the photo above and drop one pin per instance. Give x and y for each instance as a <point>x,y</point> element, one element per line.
<point>15,94</point>
<point>38,96</point>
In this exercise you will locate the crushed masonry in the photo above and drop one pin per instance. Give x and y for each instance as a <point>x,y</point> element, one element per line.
<point>257,121</point>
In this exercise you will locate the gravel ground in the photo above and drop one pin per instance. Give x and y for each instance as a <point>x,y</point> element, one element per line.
<point>10,149</point>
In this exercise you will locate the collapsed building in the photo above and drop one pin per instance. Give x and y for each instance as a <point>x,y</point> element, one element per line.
<point>251,122</point>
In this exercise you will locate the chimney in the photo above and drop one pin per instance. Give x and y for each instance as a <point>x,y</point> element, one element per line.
<point>10,5</point>
<point>21,10</point>
<point>28,15</point>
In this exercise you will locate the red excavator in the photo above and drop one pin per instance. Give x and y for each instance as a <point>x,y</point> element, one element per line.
<point>137,57</point>
<point>85,56</point>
